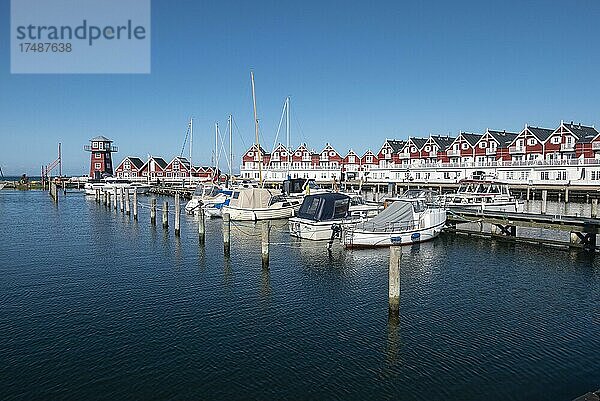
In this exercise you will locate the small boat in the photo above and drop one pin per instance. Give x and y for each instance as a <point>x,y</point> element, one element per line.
<point>359,207</point>
<point>321,216</point>
<point>251,204</point>
<point>482,194</point>
<point>214,207</point>
<point>109,184</point>
<point>402,222</point>
<point>203,194</point>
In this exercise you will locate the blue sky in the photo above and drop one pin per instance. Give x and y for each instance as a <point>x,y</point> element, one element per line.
<point>357,73</point>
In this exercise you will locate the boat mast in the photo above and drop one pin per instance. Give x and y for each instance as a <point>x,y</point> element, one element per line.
<point>216,149</point>
<point>230,146</point>
<point>191,147</point>
<point>256,130</point>
<point>287,130</point>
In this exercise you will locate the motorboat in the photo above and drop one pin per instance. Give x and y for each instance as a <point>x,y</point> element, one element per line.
<point>321,216</point>
<point>481,194</point>
<point>360,207</point>
<point>300,187</point>
<point>405,221</point>
<point>251,204</point>
<point>206,194</point>
<point>109,185</point>
<point>214,207</point>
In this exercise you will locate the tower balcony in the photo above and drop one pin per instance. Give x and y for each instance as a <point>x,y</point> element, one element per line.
<point>109,148</point>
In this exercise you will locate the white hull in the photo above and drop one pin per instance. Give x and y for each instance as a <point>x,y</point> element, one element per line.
<point>212,211</point>
<point>315,230</point>
<point>514,206</point>
<point>370,239</point>
<point>241,214</point>
<point>2,185</point>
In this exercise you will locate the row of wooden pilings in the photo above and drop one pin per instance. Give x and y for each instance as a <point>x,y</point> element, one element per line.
<point>123,196</point>
<point>544,207</point>
<point>124,202</point>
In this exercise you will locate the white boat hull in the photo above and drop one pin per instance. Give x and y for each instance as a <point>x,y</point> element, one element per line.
<point>514,206</point>
<point>312,230</point>
<point>241,214</point>
<point>370,239</point>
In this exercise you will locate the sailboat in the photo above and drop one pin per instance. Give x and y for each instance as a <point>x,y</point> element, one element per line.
<point>259,203</point>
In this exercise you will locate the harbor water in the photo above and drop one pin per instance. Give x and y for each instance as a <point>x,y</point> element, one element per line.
<point>95,305</point>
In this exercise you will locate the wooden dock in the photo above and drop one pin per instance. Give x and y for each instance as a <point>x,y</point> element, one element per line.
<point>583,231</point>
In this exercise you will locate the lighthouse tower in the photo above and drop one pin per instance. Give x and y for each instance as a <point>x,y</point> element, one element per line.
<point>101,164</point>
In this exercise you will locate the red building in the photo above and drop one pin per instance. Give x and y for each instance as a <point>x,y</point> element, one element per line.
<point>493,146</point>
<point>388,154</point>
<point>101,149</point>
<point>529,144</point>
<point>130,167</point>
<point>434,149</point>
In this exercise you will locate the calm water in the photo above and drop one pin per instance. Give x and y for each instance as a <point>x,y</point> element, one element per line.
<point>96,306</point>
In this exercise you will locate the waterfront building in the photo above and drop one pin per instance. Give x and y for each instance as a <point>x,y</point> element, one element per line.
<point>130,167</point>
<point>101,149</point>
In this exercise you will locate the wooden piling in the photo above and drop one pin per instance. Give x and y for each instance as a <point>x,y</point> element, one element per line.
<point>115,196</point>
<point>594,213</point>
<point>153,212</point>
<point>122,200</point>
<point>97,195</point>
<point>544,200</point>
<point>127,203</point>
<point>566,195</point>
<point>266,228</point>
<point>394,279</point>
<point>108,199</point>
<point>165,214</point>
<point>135,205</point>
<point>201,228</point>
<point>177,215</point>
<point>226,233</point>
<point>528,193</point>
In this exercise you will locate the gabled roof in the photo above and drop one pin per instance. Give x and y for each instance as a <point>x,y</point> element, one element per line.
<point>443,142</point>
<point>584,134</point>
<point>542,134</point>
<point>182,160</point>
<point>100,138</point>
<point>395,144</point>
<point>471,137</point>
<point>418,142</point>
<point>328,146</point>
<point>160,161</point>
<point>502,137</point>
<point>136,161</point>
<point>262,150</point>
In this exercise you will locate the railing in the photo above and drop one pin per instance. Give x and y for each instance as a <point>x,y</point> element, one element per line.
<point>516,149</point>
<point>404,155</point>
<point>432,154</point>
<point>567,147</point>
<point>490,151</point>
<point>453,153</point>
<point>111,148</point>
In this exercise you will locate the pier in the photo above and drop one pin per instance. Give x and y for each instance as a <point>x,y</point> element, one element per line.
<point>583,231</point>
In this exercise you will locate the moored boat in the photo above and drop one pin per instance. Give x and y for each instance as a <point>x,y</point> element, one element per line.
<point>251,204</point>
<point>321,215</point>
<point>403,222</point>
<point>482,194</point>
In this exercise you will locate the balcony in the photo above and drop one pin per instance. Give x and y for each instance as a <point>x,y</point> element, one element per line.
<point>595,145</point>
<point>516,150</point>
<point>404,155</point>
<point>111,148</point>
<point>490,151</point>
<point>453,152</point>
<point>432,154</point>
<point>567,147</point>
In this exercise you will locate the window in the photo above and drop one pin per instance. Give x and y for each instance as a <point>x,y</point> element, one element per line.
<point>555,140</point>
<point>531,141</point>
<point>413,149</point>
<point>482,145</point>
<point>465,146</point>
<point>351,159</point>
<point>569,140</point>
<point>250,153</point>
<point>95,145</point>
<point>98,155</point>
<point>100,145</point>
<point>127,165</point>
<point>427,148</point>
<point>97,166</point>
<point>544,175</point>
<point>331,153</point>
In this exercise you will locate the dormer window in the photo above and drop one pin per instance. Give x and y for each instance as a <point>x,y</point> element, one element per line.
<point>531,142</point>
<point>482,145</point>
<point>569,139</point>
<point>465,146</point>
<point>413,149</point>
<point>427,148</point>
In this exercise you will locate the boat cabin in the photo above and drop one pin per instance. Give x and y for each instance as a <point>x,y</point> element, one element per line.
<point>324,207</point>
